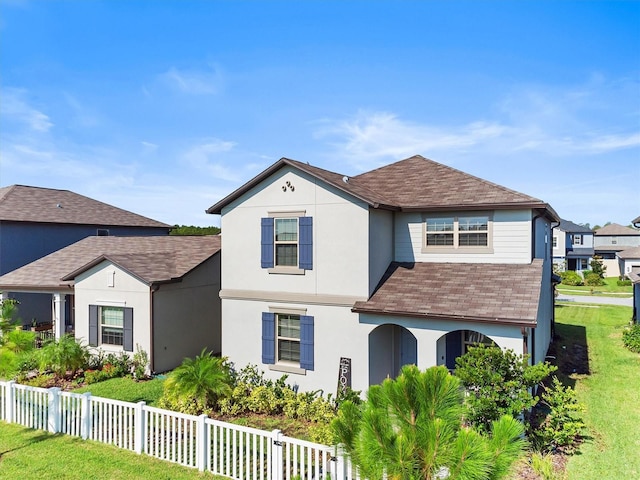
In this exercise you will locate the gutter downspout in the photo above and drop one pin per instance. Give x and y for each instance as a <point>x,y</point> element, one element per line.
<point>154,288</point>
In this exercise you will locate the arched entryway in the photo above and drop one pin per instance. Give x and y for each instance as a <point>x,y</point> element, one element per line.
<point>390,347</point>
<point>455,344</point>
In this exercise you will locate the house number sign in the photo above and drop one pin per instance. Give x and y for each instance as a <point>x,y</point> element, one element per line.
<point>344,374</point>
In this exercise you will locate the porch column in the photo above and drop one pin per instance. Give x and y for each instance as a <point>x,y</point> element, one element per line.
<point>58,315</point>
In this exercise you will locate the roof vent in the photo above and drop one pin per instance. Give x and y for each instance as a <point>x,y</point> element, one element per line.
<point>345,179</point>
<point>59,205</point>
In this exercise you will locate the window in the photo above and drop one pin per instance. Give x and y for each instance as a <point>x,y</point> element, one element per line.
<point>287,242</point>
<point>577,239</point>
<point>584,264</point>
<point>102,232</point>
<point>287,340</point>
<point>458,232</point>
<point>555,241</point>
<point>111,325</point>
<point>614,240</point>
<point>471,338</point>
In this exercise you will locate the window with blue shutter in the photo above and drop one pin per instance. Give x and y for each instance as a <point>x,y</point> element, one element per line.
<point>306,243</point>
<point>93,325</point>
<point>306,342</point>
<point>268,338</point>
<point>286,242</point>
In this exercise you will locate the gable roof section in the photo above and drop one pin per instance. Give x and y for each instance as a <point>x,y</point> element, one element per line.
<point>629,253</point>
<point>415,183</point>
<point>570,227</point>
<point>153,259</point>
<point>21,203</point>
<point>494,293</point>
<point>616,229</point>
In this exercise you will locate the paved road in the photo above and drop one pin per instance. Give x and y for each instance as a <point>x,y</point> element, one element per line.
<point>594,299</point>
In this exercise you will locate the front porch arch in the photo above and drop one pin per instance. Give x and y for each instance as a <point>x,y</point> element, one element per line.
<point>390,348</point>
<point>456,343</point>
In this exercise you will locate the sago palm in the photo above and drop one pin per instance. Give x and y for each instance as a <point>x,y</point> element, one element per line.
<point>411,428</point>
<point>204,378</point>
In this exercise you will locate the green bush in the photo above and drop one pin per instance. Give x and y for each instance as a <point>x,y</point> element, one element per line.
<point>593,280</point>
<point>558,424</point>
<point>65,356</point>
<point>624,282</point>
<point>631,338</point>
<point>571,278</point>
<point>498,382</point>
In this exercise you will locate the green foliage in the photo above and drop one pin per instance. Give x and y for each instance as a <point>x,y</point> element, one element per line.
<point>64,356</point>
<point>192,230</point>
<point>140,364</point>
<point>624,282</point>
<point>570,277</point>
<point>560,424</point>
<point>498,383</point>
<point>631,338</point>
<point>593,280</point>
<point>198,383</point>
<point>543,466</point>
<point>15,345</point>
<point>411,428</point>
<point>597,266</point>
<point>8,314</point>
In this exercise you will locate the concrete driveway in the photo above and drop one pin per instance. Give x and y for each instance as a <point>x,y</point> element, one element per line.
<point>595,299</point>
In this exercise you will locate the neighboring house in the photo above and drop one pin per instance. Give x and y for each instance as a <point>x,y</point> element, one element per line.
<point>409,263</point>
<point>629,261</point>
<point>35,222</point>
<point>158,292</point>
<point>610,240</point>
<point>572,246</point>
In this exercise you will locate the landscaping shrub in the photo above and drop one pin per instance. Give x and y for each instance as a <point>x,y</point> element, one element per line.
<point>557,423</point>
<point>597,266</point>
<point>498,382</point>
<point>15,345</point>
<point>593,280</point>
<point>140,364</point>
<point>571,278</point>
<point>624,282</point>
<point>631,338</point>
<point>64,355</point>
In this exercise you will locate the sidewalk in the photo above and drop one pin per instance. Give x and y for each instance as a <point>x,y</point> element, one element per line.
<point>595,299</point>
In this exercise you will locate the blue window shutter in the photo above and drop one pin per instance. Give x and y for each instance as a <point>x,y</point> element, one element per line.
<point>305,225</point>
<point>266,242</point>
<point>306,342</point>
<point>268,338</point>
<point>93,325</point>
<point>127,342</point>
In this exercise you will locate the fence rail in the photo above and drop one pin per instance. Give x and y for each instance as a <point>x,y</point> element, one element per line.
<point>234,451</point>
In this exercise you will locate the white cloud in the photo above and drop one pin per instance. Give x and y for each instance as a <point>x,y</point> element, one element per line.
<point>194,82</point>
<point>205,157</point>
<point>14,107</point>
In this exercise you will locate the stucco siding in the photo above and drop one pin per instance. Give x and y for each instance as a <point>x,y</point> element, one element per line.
<point>511,237</point>
<point>187,316</point>
<point>91,288</point>
<point>380,245</point>
<point>340,238</point>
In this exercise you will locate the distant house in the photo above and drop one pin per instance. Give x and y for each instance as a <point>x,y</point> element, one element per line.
<point>160,293</point>
<point>36,221</point>
<point>612,239</point>
<point>572,246</point>
<point>634,276</point>
<point>410,263</point>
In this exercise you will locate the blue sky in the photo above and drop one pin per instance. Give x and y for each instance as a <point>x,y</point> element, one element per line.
<point>165,107</point>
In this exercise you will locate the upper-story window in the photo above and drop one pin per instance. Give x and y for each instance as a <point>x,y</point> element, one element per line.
<point>614,240</point>
<point>555,241</point>
<point>462,232</point>
<point>287,242</point>
<point>577,239</point>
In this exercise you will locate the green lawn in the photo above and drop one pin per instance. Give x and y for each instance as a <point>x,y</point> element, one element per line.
<point>609,288</point>
<point>126,389</point>
<point>609,387</point>
<point>34,454</point>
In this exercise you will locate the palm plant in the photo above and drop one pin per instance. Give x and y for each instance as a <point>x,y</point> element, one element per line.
<point>411,428</point>
<point>203,379</point>
<point>64,355</point>
<point>8,310</point>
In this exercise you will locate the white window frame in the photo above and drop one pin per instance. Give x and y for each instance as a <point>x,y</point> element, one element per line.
<point>555,241</point>
<point>102,325</point>
<point>456,232</point>
<point>577,239</point>
<point>279,360</point>
<point>287,269</point>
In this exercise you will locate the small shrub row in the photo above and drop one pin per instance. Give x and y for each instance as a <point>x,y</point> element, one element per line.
<point>631,338</point>
<point>571,278</point>
<point>624,282</point>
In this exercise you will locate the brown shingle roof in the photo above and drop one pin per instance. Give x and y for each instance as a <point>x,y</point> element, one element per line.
<point>413,183</point>
<point>495,293</point>
<point>628,253</point>
<point>152,259</point>
<point>616,229</point>
<point>20,203</point>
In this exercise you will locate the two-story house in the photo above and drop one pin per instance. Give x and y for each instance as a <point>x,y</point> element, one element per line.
<point>610,241</point>
<point>36,221</point>
<point>572,246</point>
<point>325,274</point>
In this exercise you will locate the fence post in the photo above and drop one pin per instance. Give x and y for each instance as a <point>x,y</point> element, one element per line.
<point>11,400</point>
<point>86,416</point>
<point>54,410</point>
<point>201,443</point>
<point>140,426</point>
<point>276,455</point>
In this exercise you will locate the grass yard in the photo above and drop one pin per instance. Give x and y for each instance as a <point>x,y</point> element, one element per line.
<point>609,288</point>
<point>34,454</point>
<point>126,390</point>
<point>608,385</point>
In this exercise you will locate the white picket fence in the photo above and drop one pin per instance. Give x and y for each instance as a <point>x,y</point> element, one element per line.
<point>221,448</point>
